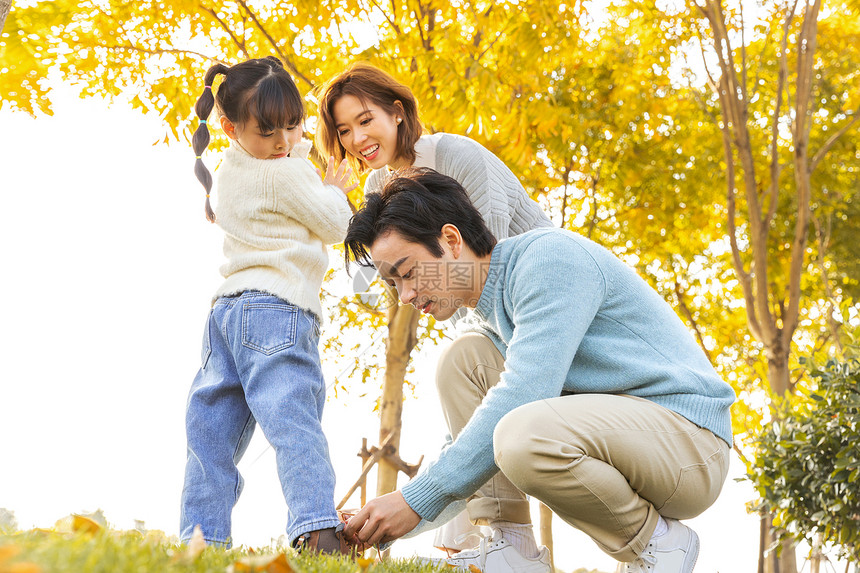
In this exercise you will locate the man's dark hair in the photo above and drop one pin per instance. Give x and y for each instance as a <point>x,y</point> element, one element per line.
<point>417,203</point>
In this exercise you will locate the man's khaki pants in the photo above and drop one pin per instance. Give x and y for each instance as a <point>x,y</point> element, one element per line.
<point>606,464</point>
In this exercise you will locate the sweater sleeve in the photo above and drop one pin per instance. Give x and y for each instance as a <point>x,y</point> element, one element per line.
<point>298,192</point>
<point>375,181</point>
<point>487,180</point>
<point>545,324</point>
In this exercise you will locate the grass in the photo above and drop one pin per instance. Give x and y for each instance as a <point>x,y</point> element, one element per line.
<point>88,549</point>
<point>78,544</point>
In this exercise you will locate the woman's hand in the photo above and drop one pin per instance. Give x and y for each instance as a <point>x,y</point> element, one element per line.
<point>381,520</point>
<point>339,178</point>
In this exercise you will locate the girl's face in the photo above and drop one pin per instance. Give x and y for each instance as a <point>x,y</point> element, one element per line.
<point>368,132</point>
<point>269,145</point>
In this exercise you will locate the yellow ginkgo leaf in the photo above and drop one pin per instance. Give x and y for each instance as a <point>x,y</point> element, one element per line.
<point>364,563</point>
<point>193,549</point>
<point>262,564</point>
<point>81,524</point>
<point>7,552</point>
<point>196,544</point>
<point>474,569</point>
<point>23,567</point>
<point>155,537</point>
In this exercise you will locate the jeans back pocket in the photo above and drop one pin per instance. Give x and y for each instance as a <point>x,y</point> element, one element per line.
<point>268,327</point>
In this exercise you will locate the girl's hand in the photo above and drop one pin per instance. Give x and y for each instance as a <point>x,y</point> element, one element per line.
<point>339,178</point>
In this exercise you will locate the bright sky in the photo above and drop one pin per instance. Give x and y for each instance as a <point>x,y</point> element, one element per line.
<point>109,265</point>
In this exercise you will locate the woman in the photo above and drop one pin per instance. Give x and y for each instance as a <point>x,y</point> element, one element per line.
<point>371,119</point>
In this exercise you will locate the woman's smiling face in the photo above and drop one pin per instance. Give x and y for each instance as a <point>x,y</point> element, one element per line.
<point>368,132</point>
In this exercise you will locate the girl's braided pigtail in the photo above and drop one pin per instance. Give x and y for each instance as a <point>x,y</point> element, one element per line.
<point>200,140</point>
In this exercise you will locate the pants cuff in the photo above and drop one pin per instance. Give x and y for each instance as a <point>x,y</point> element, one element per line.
<point>637,545</point>
<point>482,510</point>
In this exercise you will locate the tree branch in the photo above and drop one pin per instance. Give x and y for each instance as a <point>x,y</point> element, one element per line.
<point>421,13</point>
<point>736,107</point>
<point>593,220</point>
<point>759,317</point>
<point>823,242</point>
<point>743,54</point>
<point>240,42</point>
<point>391,20</point>
<point>807,43</point>
<point>5,6</point>
<point>394,13</point>
<point>566,172</point>
<point>162,51</point>
<point>816,159</point>
<point>287,61</point>
<point>679,293</point>
<point>775,166</point>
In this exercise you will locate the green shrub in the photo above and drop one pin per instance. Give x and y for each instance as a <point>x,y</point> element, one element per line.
<point>808,461</point>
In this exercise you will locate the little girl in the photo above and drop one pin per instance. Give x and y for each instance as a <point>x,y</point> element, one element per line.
<point>260,360</point>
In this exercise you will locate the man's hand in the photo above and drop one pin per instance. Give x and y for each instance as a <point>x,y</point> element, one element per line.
<point>381,520</point>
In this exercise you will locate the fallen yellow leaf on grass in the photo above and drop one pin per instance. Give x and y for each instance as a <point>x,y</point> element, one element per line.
<point>262,564</point>
<point>474,569</point>
<point>195,547</point>
<point>156,537</point>
<point>7,552</point>
<point>196,544</point>
<point>23,567</point>
<point>364,563</point>
<point>81,524</point>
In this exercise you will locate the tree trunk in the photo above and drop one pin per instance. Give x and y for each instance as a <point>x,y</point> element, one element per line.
<point>778,372</point>
<point>5,6</point>
<point>781,560</point>
<point>775,332</point>
<point>546,532</point>
<point>402,327</point>
<point>779,376</point>
<point>815,557</point>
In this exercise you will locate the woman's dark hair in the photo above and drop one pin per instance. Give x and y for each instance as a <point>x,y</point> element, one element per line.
<point>260,89</point>
<point>367,83</point>
<point>416,203</point>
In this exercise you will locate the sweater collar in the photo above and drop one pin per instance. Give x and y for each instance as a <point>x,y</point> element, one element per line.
<point>236,148</point>
<point>488,293</point>
<point>423,154</point>
<point>301,149</point>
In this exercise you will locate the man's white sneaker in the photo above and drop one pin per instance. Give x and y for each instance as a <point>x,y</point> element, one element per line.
<point>496,555</point>
<point>673,552</point>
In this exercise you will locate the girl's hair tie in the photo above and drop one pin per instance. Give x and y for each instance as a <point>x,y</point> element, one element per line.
<point>207,87</point>
<point>202,122</point>
<point>199,156</point>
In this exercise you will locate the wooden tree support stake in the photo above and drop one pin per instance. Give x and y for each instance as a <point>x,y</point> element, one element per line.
<point>370,458</point>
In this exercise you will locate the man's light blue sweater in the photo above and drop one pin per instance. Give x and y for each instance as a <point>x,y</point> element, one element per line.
<point>571,318</point>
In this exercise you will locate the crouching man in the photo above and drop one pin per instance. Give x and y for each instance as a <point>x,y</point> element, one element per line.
<point>583,388</point>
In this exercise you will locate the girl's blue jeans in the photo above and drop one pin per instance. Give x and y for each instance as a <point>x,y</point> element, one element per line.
<point>260,365</point>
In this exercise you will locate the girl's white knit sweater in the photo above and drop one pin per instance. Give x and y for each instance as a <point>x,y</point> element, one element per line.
<point>278,217</point>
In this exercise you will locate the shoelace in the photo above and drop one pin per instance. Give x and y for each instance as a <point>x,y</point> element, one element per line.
<point>481,551</point>
<point>642,564</point>
<point>300,542</point>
